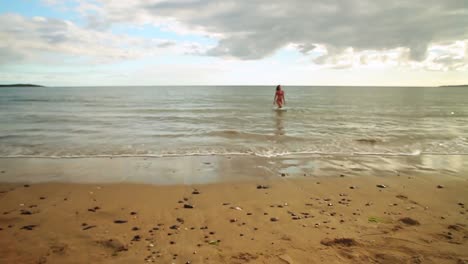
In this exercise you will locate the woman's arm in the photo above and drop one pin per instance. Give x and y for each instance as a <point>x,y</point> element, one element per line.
<point>274,99</point>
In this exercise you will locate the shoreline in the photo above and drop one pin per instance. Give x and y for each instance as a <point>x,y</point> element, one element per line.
<point>282,220</point>
<point>218,169</point>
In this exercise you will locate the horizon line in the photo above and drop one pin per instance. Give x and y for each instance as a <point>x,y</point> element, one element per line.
<point>231,85</point>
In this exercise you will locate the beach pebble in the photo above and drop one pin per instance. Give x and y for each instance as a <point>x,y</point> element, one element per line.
<point>188,206</point>
<point>120,221</point>
<point>233,220</point>
<point>274,219</point>
<point>174,227</point>
<point>440,186</point>
<point>381,186</point>
<point>262,187</point>
<point>353,187</point>
<point>238,208</point>
<point>26,185</point>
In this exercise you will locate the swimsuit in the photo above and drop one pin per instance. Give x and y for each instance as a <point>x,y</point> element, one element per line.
<point>279,98</point>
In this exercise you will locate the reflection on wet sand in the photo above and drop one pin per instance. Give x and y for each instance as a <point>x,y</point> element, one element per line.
<point>211,169</point>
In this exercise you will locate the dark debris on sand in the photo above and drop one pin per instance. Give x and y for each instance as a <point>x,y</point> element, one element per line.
<point>409,221</point>
<point>114,244</point>
<point>347,242</point>
<point>89,227</point>
<point>94,209</point>
<point>28,227</point>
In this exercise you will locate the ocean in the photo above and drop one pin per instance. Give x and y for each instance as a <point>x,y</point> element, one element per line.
<point>166,121</point>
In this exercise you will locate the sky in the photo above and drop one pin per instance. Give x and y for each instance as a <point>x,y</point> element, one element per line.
<point>234,42</point>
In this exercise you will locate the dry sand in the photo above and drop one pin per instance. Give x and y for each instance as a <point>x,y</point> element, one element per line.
<point>285,220</point>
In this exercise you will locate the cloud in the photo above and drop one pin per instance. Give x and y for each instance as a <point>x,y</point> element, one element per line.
<point>448,57</point>
<point>305,48</point>
<point>255,29</point>
<point>30,39</point>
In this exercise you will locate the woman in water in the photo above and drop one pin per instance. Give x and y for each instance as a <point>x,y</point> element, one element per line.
<point>279,97</point>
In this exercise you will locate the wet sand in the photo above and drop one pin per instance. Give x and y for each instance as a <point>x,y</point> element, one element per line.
<point>350,219</point>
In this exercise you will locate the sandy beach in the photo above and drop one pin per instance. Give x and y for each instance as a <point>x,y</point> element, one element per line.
<point>401,218</point>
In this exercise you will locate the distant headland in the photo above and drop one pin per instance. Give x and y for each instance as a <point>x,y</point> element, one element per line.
<point>20,85</point>
<point>461,85</point>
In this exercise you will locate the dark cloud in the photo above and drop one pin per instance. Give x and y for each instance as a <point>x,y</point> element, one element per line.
<point>305,48</point>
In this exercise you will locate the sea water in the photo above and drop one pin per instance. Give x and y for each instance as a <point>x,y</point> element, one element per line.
<point>64,122</point>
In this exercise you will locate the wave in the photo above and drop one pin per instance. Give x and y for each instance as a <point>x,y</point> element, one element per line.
<point>235,134</point>
<point>264,154</point>
<point>33,100</point>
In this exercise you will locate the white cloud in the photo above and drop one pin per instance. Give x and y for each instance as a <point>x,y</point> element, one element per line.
<point>30,38</point>
<point>255,29</point>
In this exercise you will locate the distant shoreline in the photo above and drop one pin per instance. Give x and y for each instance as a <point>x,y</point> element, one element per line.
<point>461,85</point>
<point>20,85</point>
